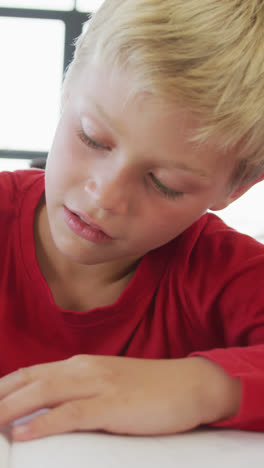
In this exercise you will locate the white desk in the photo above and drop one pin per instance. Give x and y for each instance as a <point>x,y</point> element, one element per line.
<point>199,449</point>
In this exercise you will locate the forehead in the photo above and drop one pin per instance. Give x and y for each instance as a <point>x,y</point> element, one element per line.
<point>108,91</point>
<point>147,120</point>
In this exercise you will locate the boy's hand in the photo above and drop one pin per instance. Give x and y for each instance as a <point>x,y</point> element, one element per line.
<point>118,395</point>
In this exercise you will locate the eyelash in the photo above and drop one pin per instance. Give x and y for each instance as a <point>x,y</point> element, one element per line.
<point>90,142</point>
<point>167,192</point>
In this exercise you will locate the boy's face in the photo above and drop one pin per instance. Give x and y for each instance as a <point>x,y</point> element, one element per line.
<point>127,165</point>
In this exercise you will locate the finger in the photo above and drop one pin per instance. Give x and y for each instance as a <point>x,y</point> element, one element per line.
<point>77,415</point>
<point>24,376</point>
<point>46,393</point>
<point>11,382</point>
<point>22,402</point>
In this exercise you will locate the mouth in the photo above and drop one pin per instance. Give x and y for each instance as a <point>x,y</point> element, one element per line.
<point>85,219</point>
<point>84,226</point>
<point>88,224</point>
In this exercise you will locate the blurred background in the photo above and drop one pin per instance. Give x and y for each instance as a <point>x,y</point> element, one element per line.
<point>36,38</point>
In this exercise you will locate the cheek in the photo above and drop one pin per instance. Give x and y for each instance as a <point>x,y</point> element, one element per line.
<point>65,140</point>
<point>64,147</point>
<point>167,223</point>
<point>163,223</point>
<point>63,160</point>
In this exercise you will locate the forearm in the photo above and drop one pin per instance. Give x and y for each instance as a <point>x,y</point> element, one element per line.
<point>219,395</point>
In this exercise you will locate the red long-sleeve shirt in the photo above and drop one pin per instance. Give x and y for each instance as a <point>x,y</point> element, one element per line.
<point>201,294</point>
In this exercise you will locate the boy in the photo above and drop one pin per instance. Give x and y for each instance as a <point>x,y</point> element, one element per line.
<point>125,305</point>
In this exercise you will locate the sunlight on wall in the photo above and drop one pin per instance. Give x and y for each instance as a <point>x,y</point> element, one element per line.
<point>246,214</point>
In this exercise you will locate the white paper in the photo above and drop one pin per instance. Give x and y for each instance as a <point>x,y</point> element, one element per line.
<point>203,448</point>
<point>5,447</point>
<point>200,449</point>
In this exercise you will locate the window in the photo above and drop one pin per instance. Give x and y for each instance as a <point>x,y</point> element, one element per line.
<point>39,4</point>
<point>31,74</point>
<point>92,5</point>
<point>37,44</point>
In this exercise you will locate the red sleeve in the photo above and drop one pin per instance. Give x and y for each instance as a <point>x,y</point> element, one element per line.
<point>248,364</point>
<point>228,295</point>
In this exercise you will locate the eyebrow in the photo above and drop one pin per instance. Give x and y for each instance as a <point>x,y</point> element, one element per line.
<point>186,168</point>
<point>105,116</point>
<point>101,110</point>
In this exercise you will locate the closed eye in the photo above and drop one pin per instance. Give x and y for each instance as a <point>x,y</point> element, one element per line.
<point>92,143</point>
<point>166,191</point>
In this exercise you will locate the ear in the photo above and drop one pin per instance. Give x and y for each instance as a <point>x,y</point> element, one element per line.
<point>234,195</point>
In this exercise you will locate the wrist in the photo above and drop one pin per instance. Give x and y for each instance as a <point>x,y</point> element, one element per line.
<point>219,394</point>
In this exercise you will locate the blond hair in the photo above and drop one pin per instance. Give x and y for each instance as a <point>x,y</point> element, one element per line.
<point>207,55</point>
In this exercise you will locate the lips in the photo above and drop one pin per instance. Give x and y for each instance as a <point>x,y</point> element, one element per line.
<point>83,225</point>
<point>89,222</point>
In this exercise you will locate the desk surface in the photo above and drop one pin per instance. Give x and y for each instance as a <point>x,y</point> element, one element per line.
<point>210,448</point>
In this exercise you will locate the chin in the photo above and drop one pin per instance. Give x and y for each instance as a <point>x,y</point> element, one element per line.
<point>82,257</point>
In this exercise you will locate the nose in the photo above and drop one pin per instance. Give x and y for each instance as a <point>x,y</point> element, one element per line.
<point>109,192</point>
